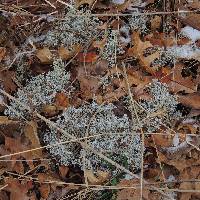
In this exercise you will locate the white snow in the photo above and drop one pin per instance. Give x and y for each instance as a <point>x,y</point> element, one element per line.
<point>119,2</point>
<point>125,30</point>
<point>184,51</point>
<point>176,140</point>
<point>191,33</point>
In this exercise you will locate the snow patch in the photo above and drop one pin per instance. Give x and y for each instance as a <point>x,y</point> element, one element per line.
<point>119,2</point>
<point>191,33</point>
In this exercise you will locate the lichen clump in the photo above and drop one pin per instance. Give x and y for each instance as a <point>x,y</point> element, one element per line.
<point>40,90</point>
<point>116,138</point>
<point>77,27</point>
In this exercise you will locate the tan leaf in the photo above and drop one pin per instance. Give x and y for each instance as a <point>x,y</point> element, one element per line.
<point>6,77</point>
<point>191,100</point>
<point>156,22</point>
<point>63,171</point>
<point>45,190</point>
<point>64,53</point>
<point>44,55</point>
<point>138,50</point>
<point>2,53</point>
<point>61,100</point>
<point>50,110</point>
<point>192,20</point>
<point>30,132</point>
<point>18,191</point>
<point>5,121</point>
<point>129,194</point>
<point>97,178</point>
<point>179,83</point>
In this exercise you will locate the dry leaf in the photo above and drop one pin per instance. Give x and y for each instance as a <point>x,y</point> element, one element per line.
<point>18,191</point>
<point>30,132</point>
<point>130,194</point>
<point>6,77</point>
<point>61,100</point>
<point>192,20</point>
<point>156,22</point>
<point>99,178</point>
<point>179,83</point>
<point>5,121</point>
<point>44,55</point>
<point>64,53</point>
<point>163,140</point>
<point>138,50</point>
<point>191,100</point>
<point>64,170</point>
<point>45,190</point>
<point>50,110</point>
<point>2,53</point>
<point>89,57</point>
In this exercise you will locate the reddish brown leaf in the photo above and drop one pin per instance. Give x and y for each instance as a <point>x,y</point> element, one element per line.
<point>61,100</point>
<point>87,58</point>
<point>191,100</point>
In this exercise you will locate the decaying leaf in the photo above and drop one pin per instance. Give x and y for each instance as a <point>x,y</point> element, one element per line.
<point>50,110</point>
<point>98,178</point>
<point>45,190</point>
<point>138,51</point>
<point>18,191</point>
<point>155,23</point>
<point>44,55</point>
<point>191,100</point>
<point>132,193</point>
<point>2,53</point>
<point>64,53</point>
<point>61,100</point>
<point>179,83</point>
<point>63,171</point>
<point>7,80</point>
<point>5,121</point>
<point>30,132</point>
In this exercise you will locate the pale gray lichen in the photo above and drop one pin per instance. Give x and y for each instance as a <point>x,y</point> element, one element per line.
<point>112,48</point>
<point>173,53</point>
<point>91,120</point>
<point>77,27</point>
<point>40,90</point>
<point>161,108</point>
<point>138,23</point>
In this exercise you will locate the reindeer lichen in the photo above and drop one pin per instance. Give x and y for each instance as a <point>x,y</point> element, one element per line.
<point>40,90</point>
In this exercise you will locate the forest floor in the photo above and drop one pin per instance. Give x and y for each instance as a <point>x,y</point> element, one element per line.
<point>99,100</point>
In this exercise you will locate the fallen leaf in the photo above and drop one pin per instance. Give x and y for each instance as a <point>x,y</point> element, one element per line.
<point>45,190</point>
<point>64,53</point>
<point>18,191</point>
<point>163,140</point>
<point>191,100</point>
<point>138,50</point>
<point>5,121</point>
<point>78,3</point>
<point>50,110</point>
<point>44,55</point>
<point>98,178</point>
<point>89,86</point>
<point>30,132</point>
<point>61,100</point>
<point>178,83</point>
<point>64,170</point>
<point>192,20</point>
<point>129,194</point>
<point>156,22</point>
<point>2,53</point>
<point>7,78</point>
<point>89,57</point>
